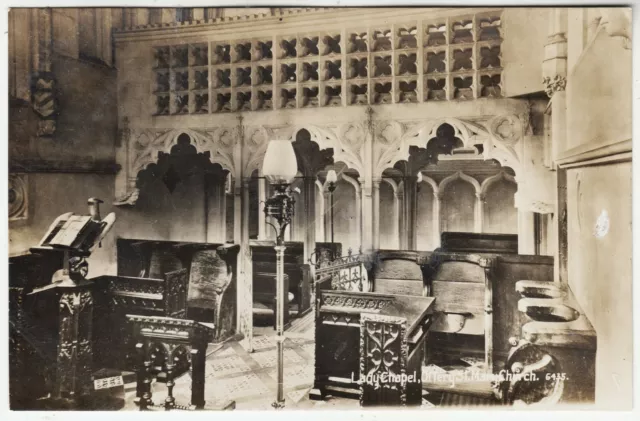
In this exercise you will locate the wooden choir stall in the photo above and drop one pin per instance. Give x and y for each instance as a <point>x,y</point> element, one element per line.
<point>297,278</point>
<point>394,311</point>
<point>169,279</point>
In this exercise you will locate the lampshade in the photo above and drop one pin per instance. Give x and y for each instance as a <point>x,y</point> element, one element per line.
<point>280,165</point>
<point>332,177</point>
<point>419,178</point>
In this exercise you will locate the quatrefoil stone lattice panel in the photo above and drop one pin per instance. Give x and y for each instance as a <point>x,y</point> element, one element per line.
<point>447,58</point>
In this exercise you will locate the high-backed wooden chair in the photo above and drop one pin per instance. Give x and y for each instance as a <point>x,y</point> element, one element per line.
<point>209,279</point>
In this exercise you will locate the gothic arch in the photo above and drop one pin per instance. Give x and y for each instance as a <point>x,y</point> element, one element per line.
<point>458,176</point>
<point>346,141</point>
<point>430,181</point>
<point>465,131</point>
<point>392,183</point>
<point>218,142</point>
<point>497,135</point>
<point>352,181</point>
<point>502,175</point>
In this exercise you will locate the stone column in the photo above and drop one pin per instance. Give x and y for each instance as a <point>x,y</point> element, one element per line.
<point>479,213</point>
<point>396,220</point>
<point>358,188</point>
<point>436,220</point>
<point>410,211</point>
<point>320,220</point>
<point>216,210</point>
<point>554,71</point>
<point>246,256</point>
<point>327,214</point>
<point>401,220</point>
<point>561,255</point>
<point>376,213</point>
<point>367,216</point>
<point>309,191</point>
<point>358,196</point>
<point>526,236</point>
<point>245,279</point>
<point>262,196</point>
<point>222,229</point>
<point>237,211</point>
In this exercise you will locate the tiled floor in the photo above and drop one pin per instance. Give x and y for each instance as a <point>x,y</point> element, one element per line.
<point>250,378</point>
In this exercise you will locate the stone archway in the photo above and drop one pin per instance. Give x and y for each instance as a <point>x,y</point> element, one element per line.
<point>194,186</point>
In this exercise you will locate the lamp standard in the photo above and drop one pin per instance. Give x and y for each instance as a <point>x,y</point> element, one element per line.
<point>332,178</point>
<point>280,168</point>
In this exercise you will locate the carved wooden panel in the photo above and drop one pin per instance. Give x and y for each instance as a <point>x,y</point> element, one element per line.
<point>74,362</point>
<point>383,357</point>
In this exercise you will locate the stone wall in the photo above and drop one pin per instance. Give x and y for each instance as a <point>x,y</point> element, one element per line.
<point>598,178</point>
<point>63,164</point>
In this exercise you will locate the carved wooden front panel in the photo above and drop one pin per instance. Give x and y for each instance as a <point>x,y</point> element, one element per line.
<point>74,363</point>
<point>383,358</point>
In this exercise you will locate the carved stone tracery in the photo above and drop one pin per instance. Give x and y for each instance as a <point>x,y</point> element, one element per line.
<point>498,135</point>
<point>240,149</point>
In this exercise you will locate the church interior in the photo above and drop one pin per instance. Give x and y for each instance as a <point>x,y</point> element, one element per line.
<point>319,208</point>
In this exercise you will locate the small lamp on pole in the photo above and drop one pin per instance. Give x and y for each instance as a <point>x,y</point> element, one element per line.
<point>280,168</point>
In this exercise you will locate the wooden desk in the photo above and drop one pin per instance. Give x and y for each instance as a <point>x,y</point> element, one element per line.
<point>174,336</point>
<point>363,336</point>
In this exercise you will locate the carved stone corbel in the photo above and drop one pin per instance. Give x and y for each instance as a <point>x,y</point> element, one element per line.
<point>43,100</point>
<point>128,199</point>
<point>528,203</point>
<point>554,84</point>
<point>617,23</point>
